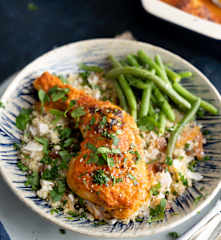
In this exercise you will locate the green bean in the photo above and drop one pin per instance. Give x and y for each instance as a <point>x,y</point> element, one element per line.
<point>129,95</point>
<point>173,76</point>
<point>151,110</point>
<point>185,74</point>
<point>147,60</point>
<point>191,98</point>
<point>114,61</point>
<point>132,61</point>
<point>137,83</point>
<point>126,89</point>
<point>123,63</point>
<point>162,123</point>
<point>187,118</point>
<point>145,101</point>
<point>159,61</point>
<point>142,73</point>
<point>91,68</point>
<point>121,97</point>
<point>164,105</point>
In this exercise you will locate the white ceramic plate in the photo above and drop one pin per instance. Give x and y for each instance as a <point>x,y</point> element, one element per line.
<point>66,60</point>
<point>179,17</point>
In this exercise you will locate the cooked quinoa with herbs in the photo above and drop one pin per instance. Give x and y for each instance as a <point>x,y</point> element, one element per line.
<point>170,140</point>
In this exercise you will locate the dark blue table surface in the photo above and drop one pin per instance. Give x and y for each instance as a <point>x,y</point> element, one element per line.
<point>25,34</point>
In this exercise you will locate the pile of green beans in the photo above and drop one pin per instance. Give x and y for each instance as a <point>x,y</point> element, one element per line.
<point>161,93</point>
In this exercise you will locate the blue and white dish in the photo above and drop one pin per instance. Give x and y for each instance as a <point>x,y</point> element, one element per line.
<point>65,60</point>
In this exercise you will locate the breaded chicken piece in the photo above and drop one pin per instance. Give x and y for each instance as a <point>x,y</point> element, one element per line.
<point>109,170</point>
<point>200,8</point>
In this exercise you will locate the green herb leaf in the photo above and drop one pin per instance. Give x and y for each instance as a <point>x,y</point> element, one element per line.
<point>183,180</point>
<point>64,133</point>
<point>158,213</point>
<point>91,147</point>
<point>58,115</point>
<point>132,178</point>
<point>58,191</point>
<point>42,96</point>
<point>100,178</point>
<point>44,142</point>
<point>33,180</point>
<point>115,140</point>
<point>23,118</point>
<point>78,112</point>
<point>92,121</point>
<point>71,104</point>
<point>1,105</point>
<point>21,166</point>
<point>155,189</point>
<point>63,79</point>
<point>169,161</point>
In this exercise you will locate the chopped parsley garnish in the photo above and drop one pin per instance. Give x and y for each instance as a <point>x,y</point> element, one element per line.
<point>155,189</point>
<point>187,147</point>
<point>116,180</point>
<point>78,112</point>
<point>198,198</point>
<point>58,191</point>
<point>58,115</point>
<point>101,155</point>
<point>84,76</point>
<point>92,121</point>
<point>169,161</point>
<point>16,146</point>
<point>192,165</point>
<point>50,174</point>
<point>21,166</point>
<point>100,178</point>
<point>66,157</point>
<point>33,180</point>
<point>157,213</point>
<point>206,158</point>
<point>183,180</point>
<point>43,97</point>
<point>132,178</point>
<point>44,142</point>
<point>63,79</point>
<point>2,105</point>
<point>103,122</point>
<point>64,133</point>
<point>57,93</point>
<point>71,104</point>
<point>173,235</point>
<point>91,147</point>
<point>68,142</point>
<point>115,140</point>
<point>23,118</point>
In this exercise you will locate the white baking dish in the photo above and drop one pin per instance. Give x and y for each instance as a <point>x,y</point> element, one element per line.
<point>179,17</point>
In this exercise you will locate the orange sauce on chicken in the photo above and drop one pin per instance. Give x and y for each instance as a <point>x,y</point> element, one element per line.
<point>202,8</point>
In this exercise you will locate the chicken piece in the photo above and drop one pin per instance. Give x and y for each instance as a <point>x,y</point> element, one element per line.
<point>109,170</point>
<point>201,8</point>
